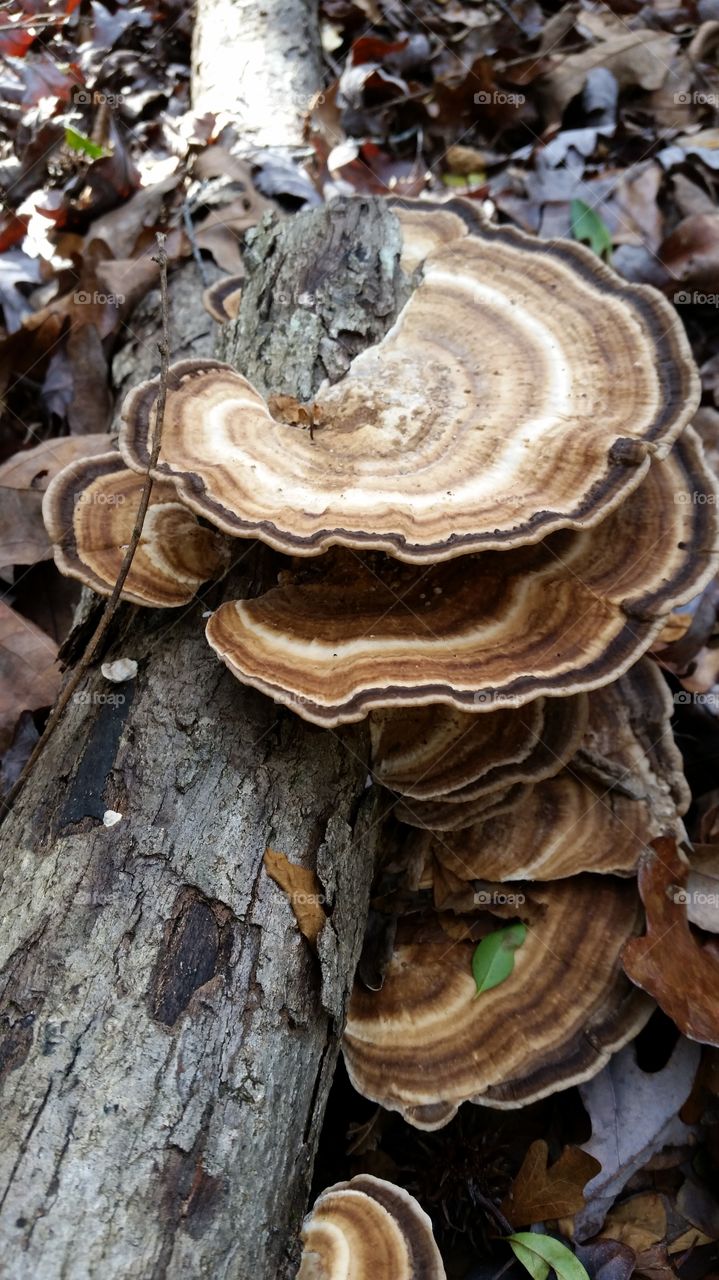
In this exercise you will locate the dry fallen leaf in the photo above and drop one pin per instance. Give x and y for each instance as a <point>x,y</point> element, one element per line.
<point>640,57</point>
<point>653,1264</point>
<point>702,888</point>
<point>23,480</point>
<point>29,674</point>
<point>669,961</point>
<point>676,626</point>
<point>639,1222</point>
<point>303,890</point>
<point>692,1238</point>
<point>634,1116</point>
<point>691,253</point>
<point>541,1191</point>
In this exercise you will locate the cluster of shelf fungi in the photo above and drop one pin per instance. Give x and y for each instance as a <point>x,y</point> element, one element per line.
<point>490,519</point>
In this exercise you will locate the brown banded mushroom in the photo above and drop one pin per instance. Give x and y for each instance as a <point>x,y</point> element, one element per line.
<point>425,1042</point>
<point>222,299</point>
<point>368,1229</point>
<point>441,815</point>
<point>438,752</point>
<point>426,752</point>
<point>429,225</point>
<point>490,630</point>
<point>89,510</point>
<point>623,786</point>
<point>431,446</point>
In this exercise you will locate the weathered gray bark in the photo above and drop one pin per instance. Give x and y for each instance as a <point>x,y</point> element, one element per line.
<point>168,1038</point>
<point>259,63</point>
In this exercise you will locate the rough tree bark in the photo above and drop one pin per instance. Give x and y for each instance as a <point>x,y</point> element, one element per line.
<point>167,1038</point>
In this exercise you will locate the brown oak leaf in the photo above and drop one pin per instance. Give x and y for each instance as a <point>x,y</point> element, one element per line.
<point>541,1191</point>
<point>670,962</point>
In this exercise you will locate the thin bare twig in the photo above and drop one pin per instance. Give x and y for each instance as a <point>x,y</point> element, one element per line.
<point>111,606</point>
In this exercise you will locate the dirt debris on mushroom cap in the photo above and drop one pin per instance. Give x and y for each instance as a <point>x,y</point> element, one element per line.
<point>485,418</point>
<point>438,753</point>
<point>347,635</point>
<point>89,511</point>
<point>425,1042</point>
<point>368,1228</point>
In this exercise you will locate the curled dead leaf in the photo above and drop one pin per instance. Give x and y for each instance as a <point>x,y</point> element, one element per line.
<point>303,890</point>
<point>670,962</point>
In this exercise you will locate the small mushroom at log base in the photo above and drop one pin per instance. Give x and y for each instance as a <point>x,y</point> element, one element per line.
<point>89,511</point>
<point>425,1042</point>
<point>368,1229</point>
<point>431,446</point>
<point>486,631</point>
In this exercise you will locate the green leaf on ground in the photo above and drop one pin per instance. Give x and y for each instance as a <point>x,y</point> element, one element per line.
<point>588,227</point>
<point>538,1253</point>
<point>79,142</point>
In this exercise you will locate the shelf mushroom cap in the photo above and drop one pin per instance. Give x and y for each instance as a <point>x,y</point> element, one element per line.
<point>487,631</point>
<point>429,225</point>
<point>426,752</point>
<point>486,417</point>
<point>439,757</point>
<point>425,1042</point>
<point>222,299</point>
<point>368,1229</point>
<point>89,510</point>
<point>616,782</point>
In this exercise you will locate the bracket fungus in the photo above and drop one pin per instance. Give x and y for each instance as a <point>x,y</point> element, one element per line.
<point>429,225</point>
<point>433,445</point>
<point>564,615</point>
<point>425,1043</point>
<point>598,796</point>
<point>438,752</point>
<point>222,299</point>
<point>486,538</point>
<point>429,751</point>
<point>368,1229</point>
<point>89,510</point>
